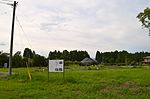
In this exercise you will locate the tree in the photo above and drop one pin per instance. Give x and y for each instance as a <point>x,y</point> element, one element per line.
<point>17,60</point>
<point>98,57</point>
<point>39,60</point>
<point>74,55</point>
<point>3,58</point>
<point>55,55</point>
<point>28,53</point>
<point>78,55</point>
<point>144,17</point>
<point>66,55</point>
<point>82,55</point>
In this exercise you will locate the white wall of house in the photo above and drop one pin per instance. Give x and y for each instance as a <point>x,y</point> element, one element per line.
<point>147,60</point>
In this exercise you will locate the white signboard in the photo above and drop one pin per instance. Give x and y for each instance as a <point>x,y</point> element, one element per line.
<point>56,65</point>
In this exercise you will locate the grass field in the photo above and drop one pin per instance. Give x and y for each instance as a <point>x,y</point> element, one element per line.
<point>104,83</point>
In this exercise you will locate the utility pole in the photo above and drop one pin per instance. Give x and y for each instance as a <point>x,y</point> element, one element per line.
<point>12,36</point>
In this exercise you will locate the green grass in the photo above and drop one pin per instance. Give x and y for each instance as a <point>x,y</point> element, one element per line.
<point>104,83</point>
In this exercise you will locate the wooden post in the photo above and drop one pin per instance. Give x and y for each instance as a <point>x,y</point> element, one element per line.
<point>12,36</point>
<point>48,72</point>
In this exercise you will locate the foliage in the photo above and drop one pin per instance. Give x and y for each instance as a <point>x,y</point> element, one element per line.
<point>120,58</point>
<point>98,57</point>
<point>67,63</point>
<point>68,56</point>
<point>3,58</point>
<point>54,55</point>
<point>39,60</point>
<point>28,53</point>
<point>34,59</point>
<point>17,60</point>
<point>144,18</point>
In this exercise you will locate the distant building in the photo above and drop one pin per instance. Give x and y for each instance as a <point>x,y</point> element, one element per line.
<point>88,61</point>
<point>147,60</point>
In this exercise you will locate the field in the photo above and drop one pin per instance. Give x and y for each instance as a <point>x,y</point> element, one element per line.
<point>78,83</point>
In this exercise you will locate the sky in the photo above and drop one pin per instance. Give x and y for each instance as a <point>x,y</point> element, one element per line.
<point>91,25</point>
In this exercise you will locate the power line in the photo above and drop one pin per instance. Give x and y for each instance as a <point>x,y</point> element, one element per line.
<point>24,41</point>
<point>25,36</point>
<point>10,3</point>
<point>23,31</point>
<point>6,3</point>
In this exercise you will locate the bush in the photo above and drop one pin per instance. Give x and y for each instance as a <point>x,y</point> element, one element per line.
<point>67,63</point>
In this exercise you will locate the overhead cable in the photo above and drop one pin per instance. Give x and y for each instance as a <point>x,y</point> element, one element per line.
<point>23,31</point>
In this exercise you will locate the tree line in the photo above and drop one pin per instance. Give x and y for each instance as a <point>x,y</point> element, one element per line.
<point>33,59</point>
<point>121,57</point>
<point>29,57</point>
<point>72,57</point>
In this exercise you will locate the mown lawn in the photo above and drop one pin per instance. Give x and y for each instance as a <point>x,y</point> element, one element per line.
<point>105,83</point>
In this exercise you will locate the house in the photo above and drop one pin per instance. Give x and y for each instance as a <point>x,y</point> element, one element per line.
<point>88,61</point>
<point>147,60</point>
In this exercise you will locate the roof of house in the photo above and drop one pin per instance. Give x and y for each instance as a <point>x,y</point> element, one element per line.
<point>147,57</point>
<point>88,60</point>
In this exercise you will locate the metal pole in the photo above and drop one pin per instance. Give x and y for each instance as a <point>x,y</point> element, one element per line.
<point>11,41</point>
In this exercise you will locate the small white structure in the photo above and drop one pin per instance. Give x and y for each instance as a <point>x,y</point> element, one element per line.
<point>56,65</point>
<point>5,65</point>
<point>147,60</point>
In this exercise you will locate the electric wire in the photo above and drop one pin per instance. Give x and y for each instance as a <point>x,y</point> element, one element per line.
<point>20,34</point>
<point>6,3</point>
<point>8,0</point>
<point>21,27</point>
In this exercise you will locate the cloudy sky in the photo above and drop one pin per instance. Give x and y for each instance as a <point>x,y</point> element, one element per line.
<point>91,25</point>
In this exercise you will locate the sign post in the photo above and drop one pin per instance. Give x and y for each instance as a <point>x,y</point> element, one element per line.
<point>56,66</point>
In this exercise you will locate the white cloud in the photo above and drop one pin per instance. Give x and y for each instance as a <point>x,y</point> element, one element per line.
<point>77,24</point>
